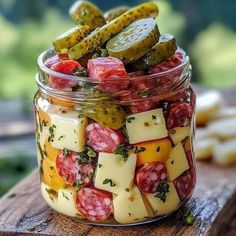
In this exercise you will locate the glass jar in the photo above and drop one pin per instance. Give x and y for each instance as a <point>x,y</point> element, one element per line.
<point>117,151</point>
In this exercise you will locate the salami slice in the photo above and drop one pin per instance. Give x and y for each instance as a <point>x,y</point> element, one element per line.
<point>179,115</point>
<point>95,205</point>
<point>102,139</point>
<point>185,185</point>
<point>150,175</point>
<point>71,171</point>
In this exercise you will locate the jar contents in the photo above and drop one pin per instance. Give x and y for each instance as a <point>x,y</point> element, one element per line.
<point>115,118</point>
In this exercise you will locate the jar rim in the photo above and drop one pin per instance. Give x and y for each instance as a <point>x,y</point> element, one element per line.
<point>49,72</point>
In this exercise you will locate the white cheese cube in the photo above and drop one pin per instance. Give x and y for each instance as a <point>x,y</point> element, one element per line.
<point>113,174</point>
<point>177,162</point>
<point>66,202</point>
<point>204,148</point>
<point>178,134</point>
<point>207,105</point>
<point>146,126</point>
<point>160,207</point>
<point>129,207</point>
<point>225,153</point>
<point>68,131</point>
<point>223,129</point>
<point>224,112</point>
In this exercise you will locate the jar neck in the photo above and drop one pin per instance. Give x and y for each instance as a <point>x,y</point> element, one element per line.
<point>155,87</point>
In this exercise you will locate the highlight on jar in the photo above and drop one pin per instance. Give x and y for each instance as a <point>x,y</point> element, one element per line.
<point>115,116</point>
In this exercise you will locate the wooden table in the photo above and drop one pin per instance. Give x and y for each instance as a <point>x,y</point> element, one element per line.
<point>213,205</point>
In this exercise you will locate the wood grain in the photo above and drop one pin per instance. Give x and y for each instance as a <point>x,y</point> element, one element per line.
<point>213,205</point>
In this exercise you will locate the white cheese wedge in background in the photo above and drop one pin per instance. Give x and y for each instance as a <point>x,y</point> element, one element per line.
<point>224,112</point>
<point>207,104</point>
<point>204,148</point>
<point>129,207</point>
<point>223,129</point>
<point>146,126</point>
<point>178,134</point>
<point>66,202</point>
<point>68,130</point>
<point>113,174</point>
<point>202,133</point>
<point>225,153</point>
<point>177,162</point>
<point>170,204</point>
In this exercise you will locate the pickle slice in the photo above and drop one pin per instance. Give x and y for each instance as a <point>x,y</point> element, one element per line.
<point>115,12</point>
<point>134,41</point>
<point>164,49</point>
<point>106,32</point>
<point>70,38</point>
<point>109,115</point>
<point>85,12</point>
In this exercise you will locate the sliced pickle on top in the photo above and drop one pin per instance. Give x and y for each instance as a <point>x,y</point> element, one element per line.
<point>106,32</point>
<point>115,12</point>
<point>85,12</point>
<point>134,41</point>
<point>165,48</point>
<point>70,38</point>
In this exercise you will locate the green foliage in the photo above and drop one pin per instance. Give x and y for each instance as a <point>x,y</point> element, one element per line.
<point>20,47</point>
<point>214,52</point>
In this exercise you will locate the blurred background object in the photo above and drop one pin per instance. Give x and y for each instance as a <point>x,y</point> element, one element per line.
<point>205,28</point>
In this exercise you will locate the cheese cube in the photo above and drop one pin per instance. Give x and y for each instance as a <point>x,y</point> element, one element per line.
<point>68,131</point>
<point>146,126</point>
<point>49,196</point>
<point>177,162</point>
<point>129,207</point>
<point>225,153</point>
<point>162,208</point>
<point>179,134</point>
<point>113,174</point>
<point>66,202</point>
<point>204,148</point>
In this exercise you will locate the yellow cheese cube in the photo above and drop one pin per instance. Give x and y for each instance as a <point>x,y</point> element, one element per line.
<point>179,134</point>
<point>160,207</point>
<point>177,162</point>
<point>151,151</point>
<point>129,207</point>
<point>66,202</point>
<point>68,131</point>
<point>146,126</point>
<point>113,174</point>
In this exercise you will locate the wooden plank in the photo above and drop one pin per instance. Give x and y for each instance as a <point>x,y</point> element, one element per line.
<point>213,204</point>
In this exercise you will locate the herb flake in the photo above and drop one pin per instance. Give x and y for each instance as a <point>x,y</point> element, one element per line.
<point>162,190</point>
<point>121,150</point>
<point>109,181</point>
<point>130,119</point>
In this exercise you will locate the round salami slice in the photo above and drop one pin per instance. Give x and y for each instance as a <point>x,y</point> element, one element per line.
<point>150,175</point>
<point>102,139</point>
<point>179,115</point>
<point>95,205</point>
<point>184,185</point>
<point>71,171</point>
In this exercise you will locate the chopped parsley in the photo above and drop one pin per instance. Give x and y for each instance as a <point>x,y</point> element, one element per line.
<point>65,152</point>
<point>109,181</point>
<point>162,190</point>
<point>52,193</point>
<point>138,150</point>
<point>154,117</point>
<point>121,150</point>
<point>51,133</point>
<point>63,136</point>
<point>130,119</point>
<point>63,194</point>
<point>99,165</point>
<point>78,183</point>
<point>44,123</point>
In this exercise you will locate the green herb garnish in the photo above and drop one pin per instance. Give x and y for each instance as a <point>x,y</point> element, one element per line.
<point>130,119</point>
<point>121,150</point>
<point>51,133</point>
<point>109,181</point>
<point>138,150</point>
<point>78,183</point>
<point>65,152</point>
<point>162,190</point>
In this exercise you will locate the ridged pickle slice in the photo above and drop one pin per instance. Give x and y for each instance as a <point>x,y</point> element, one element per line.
<point>134,41</point>
<point>85,12</point>
<point>106,32</point>
<point>70,38</point>
<point>164,49</point>
<point>110,115</point>
<point>115,12</point>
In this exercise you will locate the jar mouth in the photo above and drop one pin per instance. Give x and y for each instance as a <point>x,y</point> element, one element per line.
<point>50,52</point>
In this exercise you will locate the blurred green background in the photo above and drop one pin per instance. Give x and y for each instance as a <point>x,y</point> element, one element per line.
<point>205,28</point>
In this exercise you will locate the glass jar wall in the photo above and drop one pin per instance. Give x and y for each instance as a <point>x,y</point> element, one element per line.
<point>116,152</point>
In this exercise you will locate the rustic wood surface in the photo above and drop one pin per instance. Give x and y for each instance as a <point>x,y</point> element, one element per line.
<point>213,205</point>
